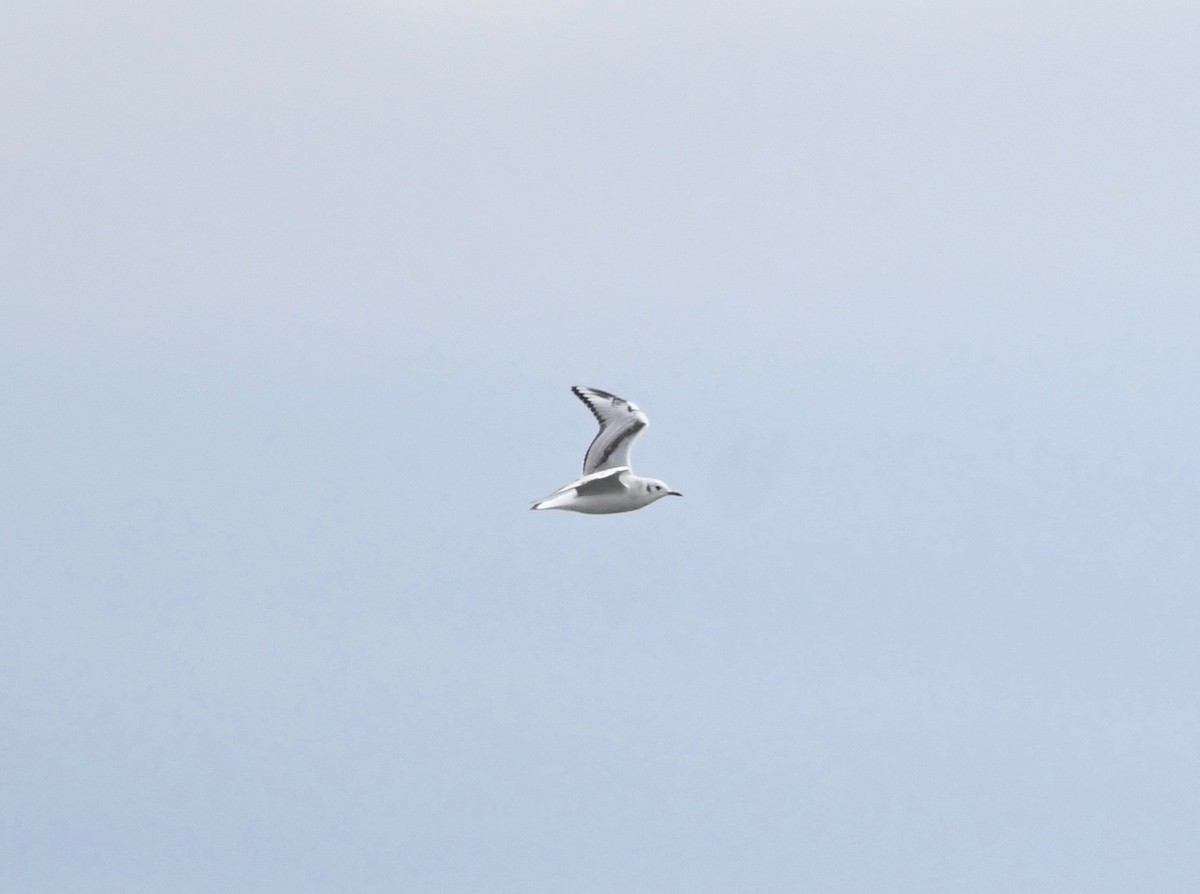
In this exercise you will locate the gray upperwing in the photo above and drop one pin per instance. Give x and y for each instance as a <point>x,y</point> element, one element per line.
<point>620,423</point>
<point>608,482</point>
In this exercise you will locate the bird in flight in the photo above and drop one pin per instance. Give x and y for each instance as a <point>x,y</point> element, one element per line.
<point>608,484</point>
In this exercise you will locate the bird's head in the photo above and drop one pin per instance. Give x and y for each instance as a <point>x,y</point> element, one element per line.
<point>657,489</point>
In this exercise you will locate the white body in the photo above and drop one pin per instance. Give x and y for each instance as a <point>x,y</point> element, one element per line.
<point>602,493</point>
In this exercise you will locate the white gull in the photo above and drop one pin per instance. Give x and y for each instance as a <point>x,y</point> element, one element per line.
<point>608,484</point>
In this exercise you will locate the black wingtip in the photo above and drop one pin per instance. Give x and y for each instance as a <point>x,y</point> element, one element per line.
<point>578,390</point>
<point>598,392</point>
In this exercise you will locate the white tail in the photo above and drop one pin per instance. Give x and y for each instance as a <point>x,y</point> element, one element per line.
<point>554,500</point>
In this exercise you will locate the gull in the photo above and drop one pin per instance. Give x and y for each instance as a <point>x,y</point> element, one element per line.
<point>608,484</point>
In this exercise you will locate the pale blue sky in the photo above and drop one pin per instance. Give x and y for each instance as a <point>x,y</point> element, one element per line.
<point>292,298</point>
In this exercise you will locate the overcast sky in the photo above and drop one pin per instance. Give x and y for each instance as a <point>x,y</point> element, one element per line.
<point>291,297</point>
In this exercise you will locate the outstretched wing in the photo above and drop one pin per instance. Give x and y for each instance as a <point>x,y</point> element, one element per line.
<point>620,423</point>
